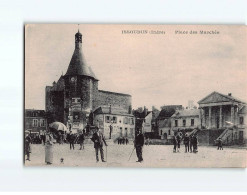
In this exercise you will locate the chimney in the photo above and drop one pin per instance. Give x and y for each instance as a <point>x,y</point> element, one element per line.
<point>229,94</point>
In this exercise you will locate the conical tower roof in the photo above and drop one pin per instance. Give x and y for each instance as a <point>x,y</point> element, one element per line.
<point>78,65</point>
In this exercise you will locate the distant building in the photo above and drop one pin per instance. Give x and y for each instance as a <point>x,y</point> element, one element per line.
<point>164,121</point>
<point>222,116</point>
<point>35,120</point>
<point>143,119</point>
<point>75,95</point>
<point>186,120</point>
<point>115,120</point>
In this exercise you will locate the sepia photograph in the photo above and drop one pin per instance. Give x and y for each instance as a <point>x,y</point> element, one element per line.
<point>129,95</point>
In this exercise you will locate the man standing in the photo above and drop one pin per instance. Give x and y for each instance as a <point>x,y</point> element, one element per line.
<point>220,144</point>
<point>175,142</point>
<point>81,140</point>
<point>71,139</point>
<point>110,131</point>
<point>179,138</point>
<point>195,143</point>
<point>28,141</point>
<point>186,143</point>
<point>98,140</point>
<point>139,142</point>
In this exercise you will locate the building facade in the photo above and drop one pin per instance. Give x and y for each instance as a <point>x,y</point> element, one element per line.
<point>222,116</point>
<point>35,120</point>
<point>164,121</point>
<point>114,122</point>
<point>186,120</point>
<point>75,95</point>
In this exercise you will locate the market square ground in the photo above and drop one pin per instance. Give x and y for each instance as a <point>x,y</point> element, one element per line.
<point>154,156</point>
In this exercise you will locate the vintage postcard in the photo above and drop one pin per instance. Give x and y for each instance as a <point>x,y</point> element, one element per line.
<point>135,95</point>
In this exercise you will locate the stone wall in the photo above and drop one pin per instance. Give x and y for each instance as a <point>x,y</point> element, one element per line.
<point>114,99</point>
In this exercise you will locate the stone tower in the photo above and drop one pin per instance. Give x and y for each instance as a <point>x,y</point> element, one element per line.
<point>80,87</point>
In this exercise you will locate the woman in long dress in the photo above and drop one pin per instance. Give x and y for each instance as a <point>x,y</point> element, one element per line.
<point>49,149</point>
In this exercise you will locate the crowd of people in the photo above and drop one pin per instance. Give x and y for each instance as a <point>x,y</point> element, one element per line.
<point>190,142</point>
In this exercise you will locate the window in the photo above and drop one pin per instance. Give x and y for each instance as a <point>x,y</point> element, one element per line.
<point>169,132</point>
<point>192,122</point>
<point>241,120</point>
<point>42,122</point>
<point>107,119</point>
<point>125,120</point>
<point>176,123</point>
<point>35,123</point>
<point>131,132</point>
<point>184,123</point>
<point>76,100</point>
<point>114,119</point>
<point>132,121</point>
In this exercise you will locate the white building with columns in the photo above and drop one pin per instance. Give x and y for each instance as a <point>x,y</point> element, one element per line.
<point>221,112</point>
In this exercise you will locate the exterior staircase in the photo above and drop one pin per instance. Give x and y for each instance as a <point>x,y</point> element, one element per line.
<point>193,132</point>
<point>226,136</point>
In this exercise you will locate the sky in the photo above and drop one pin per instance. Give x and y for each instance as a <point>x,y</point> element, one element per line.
<point>156,69</point>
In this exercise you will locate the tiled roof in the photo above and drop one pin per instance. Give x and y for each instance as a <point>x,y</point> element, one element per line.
<point>168,111</point>
<point>140,115</point>
<point>164,123</point>
<point>111,110</point>
<point>186,113</point>
<point>34,113</point>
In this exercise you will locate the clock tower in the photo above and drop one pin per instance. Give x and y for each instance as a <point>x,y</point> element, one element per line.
<point>80,88</point>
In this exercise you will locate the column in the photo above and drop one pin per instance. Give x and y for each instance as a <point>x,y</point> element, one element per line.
<point>232,114</point>
<point>209,117</point>
<point>220,116</point>
<point>203,120</point>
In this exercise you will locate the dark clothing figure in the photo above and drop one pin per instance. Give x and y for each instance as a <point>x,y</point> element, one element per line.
<point>175,142</point>
<point>110,131</point>
<point>71,138</point>
<point>81,141</point>
<point>190,144</point>
<point>139,142</point>
<point>126,141</point>
<point>195,144</point>
<point>28,141</point>
<point>123,141</point>
<point>98,140</point>
<point>220,144</point>
<point>179,138</point>
<point>186,143</point>
<point>60,138</point>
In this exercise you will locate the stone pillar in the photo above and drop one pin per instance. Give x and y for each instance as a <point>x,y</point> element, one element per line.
<point>209,117</point>
<point>203,117</point>
<point>220,116</point>
<point>232,114</point>
<point>236,116</point>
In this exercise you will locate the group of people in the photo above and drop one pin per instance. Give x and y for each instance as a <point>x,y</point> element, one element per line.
<point>122,140</point>
<point>190,142</point>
